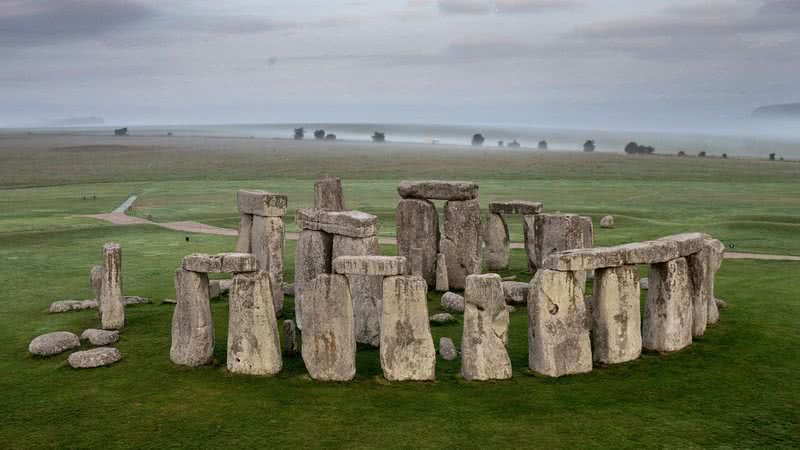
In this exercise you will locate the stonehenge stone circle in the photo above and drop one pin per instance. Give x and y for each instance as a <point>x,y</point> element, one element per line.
<point>112,310</point>
<point>418,226</point>
<point>452,302</point>
<point>699,286</point>
<point>407,351</point>
<point>71,305</point>
<point>616,315</point>
<point>328,194</point>
<point>245,230</point>
<point>192,325</point>
<point>254,346</point>
<point>100,337</point>
<point>366,291</point>
<point>462,242</point>
<point>329,343</point>
<point>447,350</point>
<point>716,250</point>
<point>496,238</point>
<point>667,324</point>
<point>53,343</point>
<point>442,283</point>
<point>438,190</point>
<point>96,357</point>
<point>483,351</point>
<point>313,257</point>
<point>96,280</point>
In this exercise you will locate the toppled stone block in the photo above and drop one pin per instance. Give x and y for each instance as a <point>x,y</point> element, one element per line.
<point>515,207</point>
<point>130,300</point>
<point>496,240</point>
<point>447,350</point>
<point>254,346</point>
<point>462,241</point>
<point>688,243</point>
<point>667,325</point>
<point>220,263</point>
<point>438,190</point>
<point>96,357</point>
<point>329,343</point>
<point>442,283</point>
<point>418,226</point>
<point>261,203</point>
<point>452,302</point>
<point>407,351</point>
<point>53,343</point>
<point>616,316</point>
<point>328,194</point>
<point>192,325</point>
<point>346,223</point>
<point>71,305</point>
<point>516,292</point>
<point>607,222</point>
<point>484,355</point>
<point>313,257</point>
<point>442,318</point>
<point>112,310</point>
<point>370,265</point>
<point>100,337</point>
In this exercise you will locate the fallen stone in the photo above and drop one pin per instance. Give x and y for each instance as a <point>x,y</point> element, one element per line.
<point>667,324</point>
<point>192,325</point>
<point>558,325</point>
<point>452,302</point>
<point>169,301</point>
<point>313,257</point>
<point>442,283</point>
<point>266,243</point>
<point>53,343</point>
<point>220,263</point>
<point>418,226</point>
<point>509,278</point>
<point>607,222</point>
<point>438,190</point>
<point>96,357</point>
<point>516,292</point>
<point>245,228</point>
<point>131,300</point>
<point>407,351</point>
<point>71,305</point>
<point>716,251</point>
<point>288,289</point>
<point>515,207</point>
<point>328,194</point>
<point>290,341</point>
<point>254,346</point>
<point>554,233</point>
<point>261,203</point>
<point>462,242</point>
<point>346,223</point>
<point>442,318</point>
<point>112,310</point>
<point>366,291</point>
<point>495,237</point>
<point>688,243</point>
<point>616,315</point>
<point>329,344</point>
<point>370,265</point>
<point>100,337</point>
<point>447,350</point>
<point>483,351</point>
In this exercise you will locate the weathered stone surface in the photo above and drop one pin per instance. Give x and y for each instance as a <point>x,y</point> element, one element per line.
<point>366,290</point>
<point>220,263</point>
<point>131,300</point>
<point>442,318</point>
<point>528,230</point>
<point>688,243</point>
<point>313,257</point>
<point>290,341</point>
<point>667,323</point>
<point>607,222</point>
<point>407,351</point>
<point>345,223</point>
<point>384,266</point>
<point>461,243</point>
<point>721,304</point>
<point>515,207</point>
<point>267,241</point>
<point>588,232</point>
<point>261,203</point>
<point>243,239</point>
<point>328,194</point>
<point>414,265</point>
<point>442,283</point>
<point>96,280</point>
<point>516,292</point>
<point>483,350</point>
<point>112,310</point>
<point>96,357</point>
<point>585,259</point>
<point>100,337</point>
<point>192,326</point>
<point>452,302</point>
<point>438,190</point>
<point>225,286</point>
<point>213,289</point>
<point>71,305</point>
<point>558,330</point>
<point>495,236</point>
<point>716,251</point>
<point>447,350</point>
<point>644,283</point>
<point>699,285</point>
<point>202,263</point>
<point>329,344</point>
<point>254,346</point>
<point>616,315</point>
<point>554,233</point>
<point>418,226</point>
<point>649,252</point>
<point>169,301</point>
<point>53,343</point>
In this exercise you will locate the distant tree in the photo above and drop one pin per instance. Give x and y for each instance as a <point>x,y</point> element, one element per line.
<point>681,153</point>
<point>635,149</point>
<point>477,139</point>
<point>330,137</point>
<point>772,156</point>
<point>319,134</point>
<point>648,150</point>
<point>588,146</point>
<point>542,145</point>
<point>378,136</point>
<point>299,134</point>
<point>702,154</point>
<point>513,144</point>
<point>724,156</point>
<point>500,143</point>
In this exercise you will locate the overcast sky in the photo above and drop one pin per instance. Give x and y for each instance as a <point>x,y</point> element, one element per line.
<point>575,63</point>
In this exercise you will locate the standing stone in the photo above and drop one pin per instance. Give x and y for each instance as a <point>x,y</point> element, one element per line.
<point>558,330</point>
<point>418,226</point>
<point>461,243</point>
<point>442,283</point>
<point>329,344</point>
<point>447,350</point>
<point>192,326</point>
<point>112,310</point>
<point>556,232</point>
<point>716,251</point>
<point>483,350</point>
<point>616,315</point>
<point>245,227</point>
<point>415,263</point>
<point>96,280</point>
<point>289,338</point>
<point>254,347</point>
<point>668,313</point>
<point>607,222</point>
<point>699,286</point>
<point>313,257</point>
<point>497,243</point>
<point>366,290</point>
<point>587,228</point>
<point>528,230</point>
<point>266,244</point>
<point>328,194</point>
<point>407,351</point>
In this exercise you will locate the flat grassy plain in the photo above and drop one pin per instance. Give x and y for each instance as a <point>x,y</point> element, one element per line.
<point>735,387</point>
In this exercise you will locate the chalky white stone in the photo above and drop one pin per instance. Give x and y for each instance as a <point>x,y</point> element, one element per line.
<point>112,310</point>
<point>616,315</point>
<point>407,351</point>
<point>607,222</point>
<point>192,325</point>
<point>254,346</point>
<point>329,343</point>
<point>483,351</point>
<point>667,324</point>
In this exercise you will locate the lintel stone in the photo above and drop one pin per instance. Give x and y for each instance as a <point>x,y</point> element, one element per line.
<point>261,203</point>
<point>438,190</point>
<point>370,265</point>
<point>516,207</point>
<point>346,223</point>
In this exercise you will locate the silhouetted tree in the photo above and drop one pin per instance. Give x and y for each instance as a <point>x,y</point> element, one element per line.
<point>513,144</point>
<point>319,134</point>
<point>500,143</point>
<point>588,146</point>
<point>542,145</point>
<point>635,149</point>
<point>330,137</point>
<point>477,139</point>
<point>702,154</point>
<point>299,134</point>
<point>681,153</point>
<point>772,156</point>
<point>724,156</point>
<point>378,136</point>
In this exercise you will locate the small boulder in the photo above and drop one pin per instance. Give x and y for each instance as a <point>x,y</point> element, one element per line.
<point>447,350</point>
<point>96,357</point>
<point>453,302</point>
<point>442,318</point>
<point>53,343</point>
<point>100,337</point>
<point>134,300</point>
<point>63,306</point>
<point>607,222</point>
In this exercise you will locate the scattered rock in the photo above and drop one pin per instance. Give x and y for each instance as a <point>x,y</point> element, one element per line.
<point>71,305</point>
<point>100,337</point>
<point>135,300</point>
<point>53,343</point>
<point>607,222</point>
<point>442,318</point>
<point>447,350</point>
<point>453,302</point>
<point>644,283</point>
<point>96,357</point>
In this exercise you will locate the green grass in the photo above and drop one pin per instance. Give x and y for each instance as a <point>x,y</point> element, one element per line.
<point>735,387</point>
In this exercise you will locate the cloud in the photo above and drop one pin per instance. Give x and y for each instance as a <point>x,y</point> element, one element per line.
<point>504,6</point>
<point>464,6</point>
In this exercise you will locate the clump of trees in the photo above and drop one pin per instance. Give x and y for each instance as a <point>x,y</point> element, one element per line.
<point>772,156</point>
<point>542,145</point>
<point>681,153</point>
<point>500,143</point>
<point>635,149</point>
<point>330,137</point>
<point>477,139</point>
<point>378,136</point>
<point>319,134</point>
<point>724,156</point>
<point>702,154</point>
<point>513,144</point>
<point>588,146</point>
<point>299,134</point>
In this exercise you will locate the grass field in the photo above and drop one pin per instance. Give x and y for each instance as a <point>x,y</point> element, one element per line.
<point>735,387</point>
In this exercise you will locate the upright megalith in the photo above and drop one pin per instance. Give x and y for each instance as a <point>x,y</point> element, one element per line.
<point>418,226</point>
<point>616,315</point>
<point>667,325</point>
<point>496,240</point>
<point>407,351</point>
<point>328,194</point>
<point>245,228</point>
<point>484,355</point>
<point>366,290</point>
<point>112,309</point>
<point>96,280</point>
<point>254,346</point>
<point>697,265</point>
<point>192,325</point>
<point>461,243</point>
<point>442,282</point>
<point>313,257</point>
<point>558,325</point>
<point>554,233</point>
<point>329,344</point>
<point>716,251</point>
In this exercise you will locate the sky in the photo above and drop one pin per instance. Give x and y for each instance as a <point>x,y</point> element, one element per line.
<point>619,64</point>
